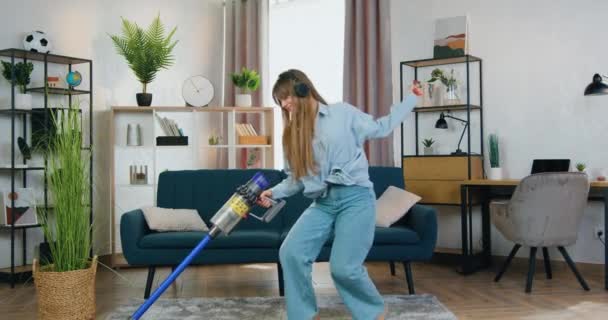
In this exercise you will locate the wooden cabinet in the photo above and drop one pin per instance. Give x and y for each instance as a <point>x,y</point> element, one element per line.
<point>437,179</point>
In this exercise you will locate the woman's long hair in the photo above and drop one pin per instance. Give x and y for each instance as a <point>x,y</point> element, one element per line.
<point>299,126</point>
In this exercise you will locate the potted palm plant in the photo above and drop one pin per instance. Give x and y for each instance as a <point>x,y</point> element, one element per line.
<point>146,51</point>
<point>495,169</point>
<point>22,79</point>
<point>65,287</point>
<point>247,81</point>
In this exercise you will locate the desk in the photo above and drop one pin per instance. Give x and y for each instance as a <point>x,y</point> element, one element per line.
<point>486,189</point>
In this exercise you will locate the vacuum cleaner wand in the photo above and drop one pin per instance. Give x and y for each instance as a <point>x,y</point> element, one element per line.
<point>224,220</point>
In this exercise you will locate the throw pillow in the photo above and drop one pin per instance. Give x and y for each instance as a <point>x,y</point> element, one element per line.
<point>393,204</point>
<point>166,219</point>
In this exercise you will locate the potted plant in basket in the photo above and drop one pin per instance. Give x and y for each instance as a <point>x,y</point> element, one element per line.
<point>428,146</point>
<point>146,51</point>
<point>66,287</point>
<point>22,79</point>
<point>495,169</point>
<point>248,81</point>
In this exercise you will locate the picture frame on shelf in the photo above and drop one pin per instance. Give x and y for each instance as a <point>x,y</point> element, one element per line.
<point>25,207</point>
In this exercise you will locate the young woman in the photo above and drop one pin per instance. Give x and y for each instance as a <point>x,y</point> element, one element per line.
<point>323,147</point>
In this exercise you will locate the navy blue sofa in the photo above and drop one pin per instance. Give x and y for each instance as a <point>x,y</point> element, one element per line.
<point>410,239</point>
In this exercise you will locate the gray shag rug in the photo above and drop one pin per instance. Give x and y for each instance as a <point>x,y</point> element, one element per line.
<point>272,308</point>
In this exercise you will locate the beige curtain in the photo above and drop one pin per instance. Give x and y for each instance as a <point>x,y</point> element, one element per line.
<point>243,44</point>
<point>367,67</point>
<point>243,48</point>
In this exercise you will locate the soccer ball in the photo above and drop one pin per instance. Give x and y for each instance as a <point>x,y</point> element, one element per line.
<point>37,41</point>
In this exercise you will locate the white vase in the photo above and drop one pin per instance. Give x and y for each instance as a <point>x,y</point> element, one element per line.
<point>436,93</point>
<point>495,174</point>
<point>23,101</point>
<point>428,151</point>
<point>242,100</point>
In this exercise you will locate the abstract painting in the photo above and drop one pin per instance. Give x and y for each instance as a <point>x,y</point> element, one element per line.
<point>450,37</point>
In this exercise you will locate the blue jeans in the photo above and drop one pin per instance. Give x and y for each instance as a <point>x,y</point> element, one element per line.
<point>348,211</point>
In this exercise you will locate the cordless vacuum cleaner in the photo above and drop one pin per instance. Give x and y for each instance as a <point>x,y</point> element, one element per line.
<point>235,209</point>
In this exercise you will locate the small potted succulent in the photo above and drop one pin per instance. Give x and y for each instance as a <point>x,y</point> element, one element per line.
<point>22,79</point>
<point>581,167</point>
<point>428,146</point>
<point>247,81</point>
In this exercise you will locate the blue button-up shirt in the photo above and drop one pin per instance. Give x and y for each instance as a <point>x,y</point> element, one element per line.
<point>340,133</point>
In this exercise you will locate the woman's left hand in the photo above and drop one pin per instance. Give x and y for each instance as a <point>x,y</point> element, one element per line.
<point>416,88</point>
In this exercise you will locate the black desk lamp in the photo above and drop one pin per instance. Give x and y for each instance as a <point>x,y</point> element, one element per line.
<point>597,87</point>
<point>442,124</point>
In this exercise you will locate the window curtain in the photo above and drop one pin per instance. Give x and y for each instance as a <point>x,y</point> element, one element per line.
<point>367,68</point>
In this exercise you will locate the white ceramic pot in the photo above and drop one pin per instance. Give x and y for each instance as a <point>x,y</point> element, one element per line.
<point>495,174</point>
<point>23,101</point>
<point>242,100</point>
<point>428,151</point>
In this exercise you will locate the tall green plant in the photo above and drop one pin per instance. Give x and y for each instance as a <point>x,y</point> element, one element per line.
<point>22,73</point>
<point>67,226</point>
<point>494,154</point>
<point>146,51</point>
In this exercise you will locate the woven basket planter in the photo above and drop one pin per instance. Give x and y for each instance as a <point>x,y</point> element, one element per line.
<point>66,295</point>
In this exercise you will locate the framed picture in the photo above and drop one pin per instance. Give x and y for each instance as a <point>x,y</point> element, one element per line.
<point>24,210</point>
<point>450,37</point>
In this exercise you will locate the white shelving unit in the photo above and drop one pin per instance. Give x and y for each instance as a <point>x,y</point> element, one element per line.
<point>198,124</point>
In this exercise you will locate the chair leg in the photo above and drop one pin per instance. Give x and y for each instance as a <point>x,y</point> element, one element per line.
<point>151,271</point>
<point>281,283</point>
<point>507,262</point>
<point>573,268</point>
<point>547,263</point>
<point>408,277</point>
<point>392,264</point>
<point>531,269</point>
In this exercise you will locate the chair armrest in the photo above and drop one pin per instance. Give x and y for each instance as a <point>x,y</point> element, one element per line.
<point>423,220</point>
<point>133,227</point>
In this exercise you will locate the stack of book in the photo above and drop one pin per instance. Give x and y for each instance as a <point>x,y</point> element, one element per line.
<point>169,127</point>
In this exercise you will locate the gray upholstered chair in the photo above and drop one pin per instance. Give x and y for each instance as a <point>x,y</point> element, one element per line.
<point>544,211</point>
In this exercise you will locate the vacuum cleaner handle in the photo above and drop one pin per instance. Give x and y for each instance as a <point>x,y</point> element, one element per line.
<point>272,211</point>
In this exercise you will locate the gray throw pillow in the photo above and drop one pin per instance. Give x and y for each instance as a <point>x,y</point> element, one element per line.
<point>166,219</point>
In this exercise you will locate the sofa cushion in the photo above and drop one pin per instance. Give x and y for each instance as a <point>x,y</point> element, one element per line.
<point>167,219</point>
<point>187,240</point>
<point>208,189</point>
<point>383,236</point>
<point>393,204</point>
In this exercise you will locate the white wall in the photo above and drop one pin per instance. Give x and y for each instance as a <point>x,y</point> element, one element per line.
<point>80,28</point>
<point>306,35</point>
<point>538,56</point>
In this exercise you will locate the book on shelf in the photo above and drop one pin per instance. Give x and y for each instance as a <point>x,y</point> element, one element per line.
<point>245,129</point>
<point>169,126</point>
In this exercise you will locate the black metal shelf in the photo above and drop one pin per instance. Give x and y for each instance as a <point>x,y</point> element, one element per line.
<point>17,111</point>
<point>39,117</point>
<point>8,226</point>
<point>455,107</point>
<point>20,169</point>
<point>440,62</point>
<point>58,91</point>
<point>36,56</point>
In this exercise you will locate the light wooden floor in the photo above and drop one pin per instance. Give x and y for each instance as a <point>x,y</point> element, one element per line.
<point>471,297</point>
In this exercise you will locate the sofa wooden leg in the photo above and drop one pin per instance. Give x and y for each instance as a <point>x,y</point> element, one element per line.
<point>151,271</point>
<point>281,284</point>
<point>408,277</point>
<point>392,264</point>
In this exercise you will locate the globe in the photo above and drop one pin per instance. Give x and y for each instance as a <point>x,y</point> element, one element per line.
<point>73,78</point>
